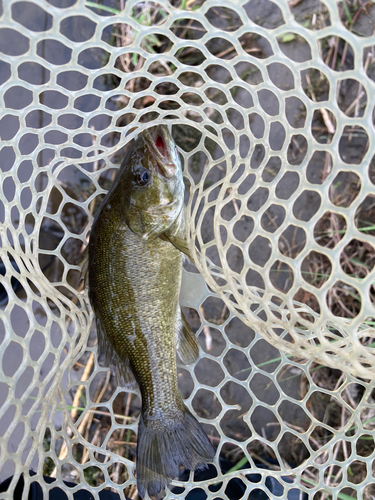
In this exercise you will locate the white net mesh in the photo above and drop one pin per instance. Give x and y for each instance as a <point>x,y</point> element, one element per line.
<point>271,107</point>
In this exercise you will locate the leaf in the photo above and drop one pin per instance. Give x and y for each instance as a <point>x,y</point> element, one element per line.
<point>288,37</point>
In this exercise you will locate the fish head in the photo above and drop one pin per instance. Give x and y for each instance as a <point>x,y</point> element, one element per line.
<point>152,183</point>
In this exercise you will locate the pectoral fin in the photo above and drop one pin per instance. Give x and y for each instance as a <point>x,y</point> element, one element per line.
<point>108,357</point>
<point>187,346</point>
<point>176,235</point>
<point>179,243</point>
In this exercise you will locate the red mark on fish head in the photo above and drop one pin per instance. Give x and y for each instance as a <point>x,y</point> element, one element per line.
<point>159,143</point>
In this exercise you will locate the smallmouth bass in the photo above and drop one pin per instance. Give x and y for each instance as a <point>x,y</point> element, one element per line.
<point>134,272</point>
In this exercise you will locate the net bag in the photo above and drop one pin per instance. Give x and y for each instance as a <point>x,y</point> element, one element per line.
<point>270,104</point>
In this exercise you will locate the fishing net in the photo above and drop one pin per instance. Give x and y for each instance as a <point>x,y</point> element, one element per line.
<point>271,106</point>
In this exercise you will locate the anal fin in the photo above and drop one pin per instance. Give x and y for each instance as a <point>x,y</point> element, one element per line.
<point>108,357</point>
<point>187,346</point>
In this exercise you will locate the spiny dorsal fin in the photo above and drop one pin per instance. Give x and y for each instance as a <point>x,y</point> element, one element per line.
<point>187,346</point>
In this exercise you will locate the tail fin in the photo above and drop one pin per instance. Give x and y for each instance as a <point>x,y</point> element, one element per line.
<point>164,445</point>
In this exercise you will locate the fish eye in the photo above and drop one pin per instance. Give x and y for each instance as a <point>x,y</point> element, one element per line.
<point>142,177</point>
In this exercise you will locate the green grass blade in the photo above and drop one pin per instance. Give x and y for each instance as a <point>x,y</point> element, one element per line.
<point>102,7</point>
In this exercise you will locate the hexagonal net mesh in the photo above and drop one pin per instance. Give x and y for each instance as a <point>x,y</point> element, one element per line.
<point>270,106</point>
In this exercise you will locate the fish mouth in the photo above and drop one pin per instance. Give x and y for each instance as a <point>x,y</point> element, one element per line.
<point>163,148</point>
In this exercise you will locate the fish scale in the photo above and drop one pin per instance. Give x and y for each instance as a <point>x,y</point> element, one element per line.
<point>148,315</point>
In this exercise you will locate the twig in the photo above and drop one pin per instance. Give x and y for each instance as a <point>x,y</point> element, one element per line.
<point>78,394</point>
<point>86,422</point>
<point>86,454</point>
<point>355,103</point>
<point>262,461</point>
<point>325,115</point>
<point>223,313</point>
<point>327,121</point>
<point>336,49</point>
<point>87,418</point>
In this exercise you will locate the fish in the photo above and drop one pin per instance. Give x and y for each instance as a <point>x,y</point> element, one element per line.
<point>136,248</point>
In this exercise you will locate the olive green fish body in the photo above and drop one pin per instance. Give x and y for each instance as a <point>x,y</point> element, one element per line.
<point>134,291</point>
<point>135,266</point>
